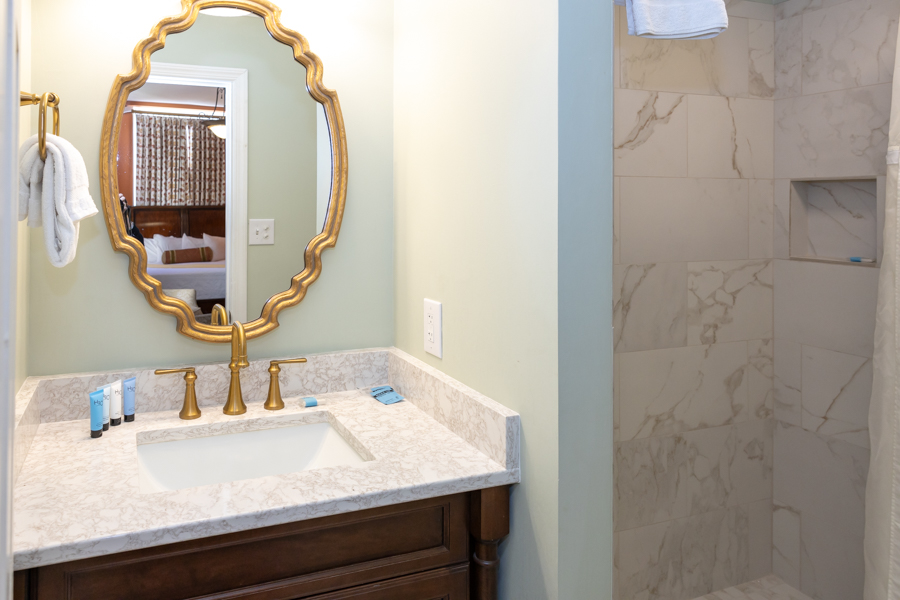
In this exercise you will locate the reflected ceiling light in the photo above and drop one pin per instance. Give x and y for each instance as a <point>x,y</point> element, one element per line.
<point>217,127</point>
<point>226,12</point>
<point>216,123</point>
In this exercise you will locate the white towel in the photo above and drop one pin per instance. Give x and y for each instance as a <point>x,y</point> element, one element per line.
<point>676,19</point>
<point>54,195</point>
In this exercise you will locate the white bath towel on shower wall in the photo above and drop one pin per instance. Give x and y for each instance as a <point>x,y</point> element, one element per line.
<point>882,542</point>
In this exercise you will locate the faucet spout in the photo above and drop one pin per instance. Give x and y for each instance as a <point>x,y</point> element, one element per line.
<point>219,316</point>
<point>235,403</point>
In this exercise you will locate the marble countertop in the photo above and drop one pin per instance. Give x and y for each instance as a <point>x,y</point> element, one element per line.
<point>77,497</point>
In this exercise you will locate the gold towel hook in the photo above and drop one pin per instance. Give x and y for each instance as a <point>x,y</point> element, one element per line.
<point>47,100</point>
<point>51,100</point>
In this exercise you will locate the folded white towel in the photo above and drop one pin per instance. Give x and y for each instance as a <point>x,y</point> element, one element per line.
<point>676,19</point>
<point>54,195</point>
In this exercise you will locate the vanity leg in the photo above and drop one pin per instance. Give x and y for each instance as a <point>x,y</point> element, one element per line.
<point>489,512</point>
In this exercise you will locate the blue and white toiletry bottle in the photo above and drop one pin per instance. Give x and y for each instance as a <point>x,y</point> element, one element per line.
<point>115,404</point>
<point>107,393</point>
<point>96,414</point>
<point>128,399</point>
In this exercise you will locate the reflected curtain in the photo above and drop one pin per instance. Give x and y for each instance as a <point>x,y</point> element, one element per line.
<point>177,162</point>
<point>882,541</point>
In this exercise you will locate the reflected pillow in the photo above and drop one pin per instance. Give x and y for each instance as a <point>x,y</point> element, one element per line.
<point>187,255</point>
<point>191,242</point>
<point>217,244</point>
<point>154,254</point>
<point>189,297</point>
<point>168,242</point>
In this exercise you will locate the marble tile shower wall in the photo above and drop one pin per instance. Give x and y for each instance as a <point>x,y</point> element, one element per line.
<point>834,62</point>
<point>694,338</point>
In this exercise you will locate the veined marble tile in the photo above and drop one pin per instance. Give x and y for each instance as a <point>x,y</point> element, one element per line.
<point>650,309</point>
<point>682,389</point>
<point>788,57</point>
<point>683,220</point>
<point>829,306</point>
<point>616,399</point>
<point>717,66</point>
<point>730,137</point>
<point>684,558</point>
<point>767,588</point>
<point>788,382</point>
<point>618,15</point>
<point>836,392</point>
<point>762,58</point>
<point>824,480</point>
<point>730,466</point>
<point>650,137</point>
<point>849,45</point>
<point>652,481</point>
<point>750,10</point>
<point>786,544</point>
<point>760,378</point>
<point>781,235</point>
<point>617,209</point>
<point>835,134</point>
<point>662,478</point>
<point>842,218</point>
<point>729,301</point>
<point>762,218</point>
<point>760,522</point>
<point>791,8</point>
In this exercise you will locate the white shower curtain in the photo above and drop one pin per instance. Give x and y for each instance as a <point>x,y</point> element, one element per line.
<point>882,543</point>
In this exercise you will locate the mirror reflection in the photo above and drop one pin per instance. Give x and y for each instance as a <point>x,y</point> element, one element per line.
<point>224,165</point>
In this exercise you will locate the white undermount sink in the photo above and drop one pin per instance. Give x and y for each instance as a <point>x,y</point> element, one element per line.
<point>217,455</point>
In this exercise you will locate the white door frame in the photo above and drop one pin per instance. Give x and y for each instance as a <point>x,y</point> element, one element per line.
<point>235,82</point>
<point>9,128</point>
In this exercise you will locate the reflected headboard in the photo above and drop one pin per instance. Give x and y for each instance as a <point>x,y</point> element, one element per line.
<point>180,220</point>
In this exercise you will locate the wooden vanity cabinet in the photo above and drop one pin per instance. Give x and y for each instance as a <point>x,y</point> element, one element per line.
<point>436,549</point>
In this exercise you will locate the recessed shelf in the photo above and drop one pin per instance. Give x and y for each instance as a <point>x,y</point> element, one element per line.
<point>833,220</point>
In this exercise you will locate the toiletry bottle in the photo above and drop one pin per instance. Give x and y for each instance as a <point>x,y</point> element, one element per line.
<point>96,413</point>
<point>115,405</point>
<point>106,401</point>
<point>128,399</point>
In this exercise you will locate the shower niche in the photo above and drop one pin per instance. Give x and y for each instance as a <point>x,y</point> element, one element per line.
<point>834,220</point>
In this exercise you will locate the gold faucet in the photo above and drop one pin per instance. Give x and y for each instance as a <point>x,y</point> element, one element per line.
<point>219,315</point>
<point>235,404</point>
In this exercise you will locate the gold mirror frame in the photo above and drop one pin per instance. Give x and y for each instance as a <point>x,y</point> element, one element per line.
<point>115,223</point>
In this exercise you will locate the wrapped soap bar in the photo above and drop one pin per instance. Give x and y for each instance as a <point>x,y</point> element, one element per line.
<point>386,394</point>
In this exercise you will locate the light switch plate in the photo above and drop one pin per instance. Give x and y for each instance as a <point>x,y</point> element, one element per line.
<point>433,329</point>
<point>262,232</point>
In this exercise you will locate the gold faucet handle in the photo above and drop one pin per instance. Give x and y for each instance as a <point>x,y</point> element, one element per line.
<point>287,361</point>
<point>273,400</point>
<point>189,409</point>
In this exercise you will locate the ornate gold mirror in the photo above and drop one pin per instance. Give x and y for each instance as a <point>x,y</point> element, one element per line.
<point>223,166</point>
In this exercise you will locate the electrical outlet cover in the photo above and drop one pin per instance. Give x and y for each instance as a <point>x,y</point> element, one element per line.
<point>433,328</point>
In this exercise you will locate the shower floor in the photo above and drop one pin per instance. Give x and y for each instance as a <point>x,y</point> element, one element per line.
<point>767,588</point>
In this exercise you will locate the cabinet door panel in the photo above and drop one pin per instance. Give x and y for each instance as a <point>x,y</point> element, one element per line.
<point>296,560</point>
<point>440,584</point>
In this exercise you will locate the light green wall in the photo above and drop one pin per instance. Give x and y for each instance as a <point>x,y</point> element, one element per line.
<point>475,136</point>
<point>281,165</point>
<point>88,315</point>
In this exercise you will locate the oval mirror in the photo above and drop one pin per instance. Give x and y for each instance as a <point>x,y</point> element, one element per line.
<point>223,167</point>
